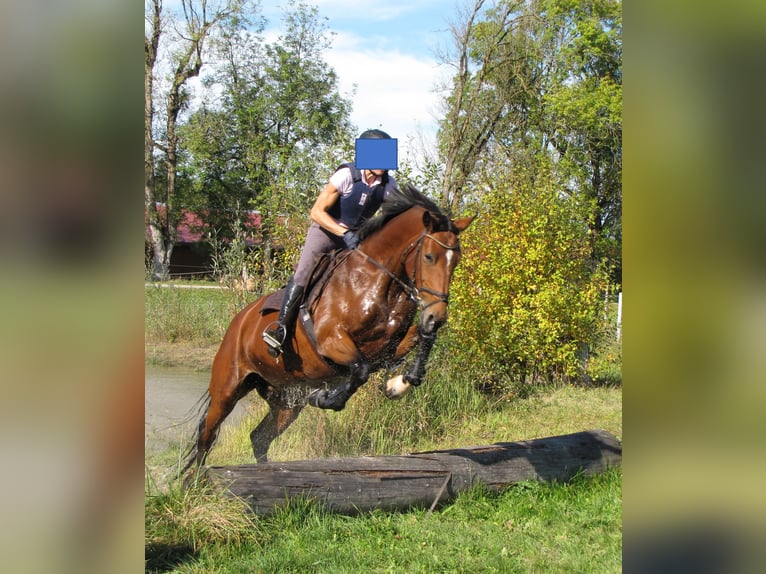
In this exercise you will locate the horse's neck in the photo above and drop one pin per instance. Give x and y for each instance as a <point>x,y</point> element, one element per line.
<point>388,245</point>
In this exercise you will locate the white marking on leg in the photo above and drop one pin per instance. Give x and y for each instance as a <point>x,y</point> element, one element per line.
<point>396,387</point>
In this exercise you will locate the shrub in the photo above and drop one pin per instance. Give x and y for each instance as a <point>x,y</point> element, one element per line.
<point>527,297</point>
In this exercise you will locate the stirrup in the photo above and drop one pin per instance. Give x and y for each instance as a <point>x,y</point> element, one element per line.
<point>273,344</point>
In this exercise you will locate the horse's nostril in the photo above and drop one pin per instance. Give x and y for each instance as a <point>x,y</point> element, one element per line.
<point>431,321</point>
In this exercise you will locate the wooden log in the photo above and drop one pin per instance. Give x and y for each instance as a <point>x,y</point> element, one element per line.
<point>356,484</point>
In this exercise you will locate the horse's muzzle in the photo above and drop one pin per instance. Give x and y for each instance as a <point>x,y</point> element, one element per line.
<point>433,316</point>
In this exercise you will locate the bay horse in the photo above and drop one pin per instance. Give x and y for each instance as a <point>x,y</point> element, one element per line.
<point>363,321</point>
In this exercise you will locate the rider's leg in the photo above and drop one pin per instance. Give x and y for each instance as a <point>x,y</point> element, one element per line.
<point>276,336</point>
<point>318,241</point>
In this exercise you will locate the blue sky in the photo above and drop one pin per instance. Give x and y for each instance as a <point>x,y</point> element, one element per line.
<point>387,48</point>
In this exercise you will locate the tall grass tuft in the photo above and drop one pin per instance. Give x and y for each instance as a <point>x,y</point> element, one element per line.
<point>196,516</point>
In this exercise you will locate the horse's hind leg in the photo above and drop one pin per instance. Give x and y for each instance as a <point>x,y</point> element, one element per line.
<point>218,410</point>
<point>226,389</point>
<point>276,421</point>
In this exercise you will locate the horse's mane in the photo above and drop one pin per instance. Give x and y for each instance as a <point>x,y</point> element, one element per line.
<point>398,201</point>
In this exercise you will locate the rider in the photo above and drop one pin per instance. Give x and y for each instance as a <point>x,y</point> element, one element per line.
<point>350,197</point>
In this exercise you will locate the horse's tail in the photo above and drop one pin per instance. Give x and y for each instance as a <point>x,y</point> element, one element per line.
<point>200,411</point>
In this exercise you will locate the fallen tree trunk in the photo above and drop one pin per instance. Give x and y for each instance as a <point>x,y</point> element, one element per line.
<point>356,484</point>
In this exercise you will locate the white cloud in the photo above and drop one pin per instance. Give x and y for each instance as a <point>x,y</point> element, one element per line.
<point>384,48</point>
<point>394,90</point>
<point>371,12</point>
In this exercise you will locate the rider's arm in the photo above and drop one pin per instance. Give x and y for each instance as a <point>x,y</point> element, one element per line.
<point>319,212</point>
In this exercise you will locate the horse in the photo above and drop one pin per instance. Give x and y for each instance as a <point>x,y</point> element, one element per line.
<point>358,320</point>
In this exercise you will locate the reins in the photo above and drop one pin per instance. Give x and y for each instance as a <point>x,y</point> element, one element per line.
<point>412,289</point>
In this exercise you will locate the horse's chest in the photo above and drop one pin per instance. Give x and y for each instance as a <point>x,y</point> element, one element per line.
<point>399,318</point>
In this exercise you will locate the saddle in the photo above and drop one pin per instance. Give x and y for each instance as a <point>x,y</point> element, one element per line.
<point>323,269</point>
<point>320,274</point>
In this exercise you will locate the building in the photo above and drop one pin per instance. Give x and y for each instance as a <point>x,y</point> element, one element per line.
<point>192,254</point>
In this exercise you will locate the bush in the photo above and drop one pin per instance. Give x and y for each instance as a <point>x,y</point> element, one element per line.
<point>527,298</point>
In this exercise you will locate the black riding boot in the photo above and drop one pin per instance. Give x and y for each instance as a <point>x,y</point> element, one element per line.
<point>276,335</point>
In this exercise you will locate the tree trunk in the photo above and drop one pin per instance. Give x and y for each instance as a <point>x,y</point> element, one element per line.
<point>151,45</point>
<point>359,484</point>
<point>162,249</point>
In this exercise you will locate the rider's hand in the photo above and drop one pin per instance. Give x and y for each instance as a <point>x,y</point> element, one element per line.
<point>351,239</point>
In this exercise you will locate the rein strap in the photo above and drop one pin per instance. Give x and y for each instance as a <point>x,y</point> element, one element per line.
<point>413,290</point>
<point>409,289</point>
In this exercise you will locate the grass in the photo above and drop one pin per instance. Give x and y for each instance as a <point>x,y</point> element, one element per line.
<point>371,424</point>
<point>195,316</point>
<point>530,527</point>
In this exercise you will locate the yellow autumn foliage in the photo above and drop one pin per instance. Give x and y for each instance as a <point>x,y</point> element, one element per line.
<point>527,297</point>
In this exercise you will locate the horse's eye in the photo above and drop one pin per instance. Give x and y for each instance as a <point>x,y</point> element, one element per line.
<point>429,257</point>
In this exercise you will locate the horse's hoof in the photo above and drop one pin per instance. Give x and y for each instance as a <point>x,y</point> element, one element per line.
<point>324,399</point>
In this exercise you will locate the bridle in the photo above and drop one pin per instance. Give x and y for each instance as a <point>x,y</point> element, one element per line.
<point>411,287</point>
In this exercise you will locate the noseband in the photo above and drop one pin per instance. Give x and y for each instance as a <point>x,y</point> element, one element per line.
<point>411,288</point>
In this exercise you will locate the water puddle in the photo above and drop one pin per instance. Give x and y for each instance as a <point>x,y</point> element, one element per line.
<point>170,396</point>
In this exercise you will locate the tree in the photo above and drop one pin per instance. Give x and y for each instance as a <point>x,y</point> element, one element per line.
<point>583,110</point>
<point>274,132</point>
<point>491,90</point>
<point>185,44</point>
<point>539,79</point>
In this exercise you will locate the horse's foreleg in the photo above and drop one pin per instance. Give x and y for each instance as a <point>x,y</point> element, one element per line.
<point>273,424</point>
<point>408,342</point>
<point>417,370</point>
<point>337,397</point>
<point>397,387</point>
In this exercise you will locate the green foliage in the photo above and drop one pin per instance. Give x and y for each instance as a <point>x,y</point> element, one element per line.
<point>540,79</point>
<point>582,105</point>
<point>527,295</point>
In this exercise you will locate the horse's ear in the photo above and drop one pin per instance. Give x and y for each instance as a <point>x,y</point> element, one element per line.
<point>462,224</point>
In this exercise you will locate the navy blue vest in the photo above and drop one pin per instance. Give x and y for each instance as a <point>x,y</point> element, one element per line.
<point>361,203</point>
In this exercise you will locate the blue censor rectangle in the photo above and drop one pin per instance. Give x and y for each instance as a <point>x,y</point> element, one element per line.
<point>377,154</point>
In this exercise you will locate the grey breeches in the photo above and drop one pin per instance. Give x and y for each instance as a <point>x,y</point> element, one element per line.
<point>318,241</point>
